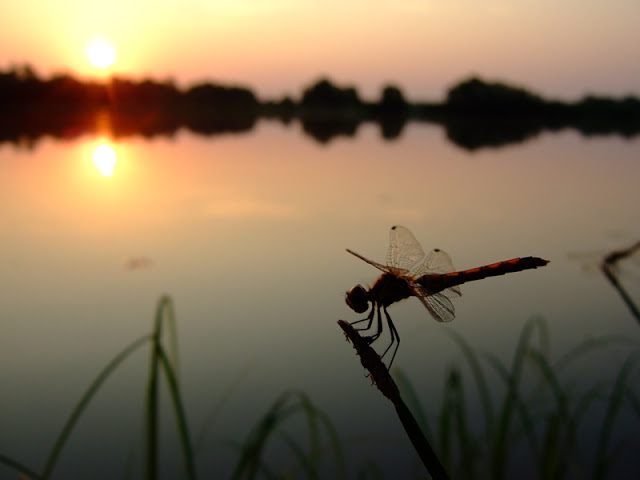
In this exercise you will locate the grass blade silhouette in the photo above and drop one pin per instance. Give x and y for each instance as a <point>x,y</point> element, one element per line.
<point>84,402</point>
<point>616,399</point>
<point>19,467</point>
<point>179,412</point>
<point>413,401</point>
<point>152,399</point>
<point>481,382</point>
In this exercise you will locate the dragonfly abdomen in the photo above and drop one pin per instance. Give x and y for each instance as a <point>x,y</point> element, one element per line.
<point>440,281</point>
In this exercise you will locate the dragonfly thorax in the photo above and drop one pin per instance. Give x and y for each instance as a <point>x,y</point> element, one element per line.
<point>390,288</point>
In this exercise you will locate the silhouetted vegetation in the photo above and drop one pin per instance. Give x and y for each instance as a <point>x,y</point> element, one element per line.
<point>526,419</point>
<point>324,96</point>
<point>479,114</point>
<point>65,107</point>
<point>477,97</point>
<point>475,113</point>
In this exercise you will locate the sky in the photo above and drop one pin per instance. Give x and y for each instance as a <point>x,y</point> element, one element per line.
<point>560,49</point>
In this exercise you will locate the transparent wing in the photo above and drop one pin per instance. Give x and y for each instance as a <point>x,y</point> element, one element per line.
<point>439,306</point>
<point>437,261</point>
<point>379,266</point>
<point>404,251</point>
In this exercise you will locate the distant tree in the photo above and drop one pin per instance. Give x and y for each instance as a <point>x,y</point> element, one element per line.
<point>479,96</point>
<point>148,93</point>
<point>25,72</point>
<point>324,94</point>
<point>221,97</point>
<point>392,100</point>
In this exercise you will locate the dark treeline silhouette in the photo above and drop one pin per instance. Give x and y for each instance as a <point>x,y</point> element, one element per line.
<point>475,113</point>
<point>65,107</point>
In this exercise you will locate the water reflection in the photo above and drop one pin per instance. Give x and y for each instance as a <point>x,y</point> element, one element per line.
<point>105,159</point>
<point>472,132</point>
<point>248,235</point>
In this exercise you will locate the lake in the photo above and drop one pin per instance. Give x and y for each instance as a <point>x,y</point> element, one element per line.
<point>247,234</point>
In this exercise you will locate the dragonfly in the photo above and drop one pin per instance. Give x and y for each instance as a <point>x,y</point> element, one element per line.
<point>431,278</point>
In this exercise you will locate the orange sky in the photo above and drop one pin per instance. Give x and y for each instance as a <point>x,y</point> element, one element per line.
<point>563,49</point>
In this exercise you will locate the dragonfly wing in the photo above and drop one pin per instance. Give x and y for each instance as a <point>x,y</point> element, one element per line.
<point>453,291</point>
<point>437,261</point>
<point>404,251</point>
<point>439,306</point>
<point>379,266</point>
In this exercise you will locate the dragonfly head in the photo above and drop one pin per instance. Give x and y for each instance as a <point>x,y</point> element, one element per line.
<point>358,299</point>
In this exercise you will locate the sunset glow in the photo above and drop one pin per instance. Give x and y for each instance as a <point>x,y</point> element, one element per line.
<point>100,53</point>
<point>278,47</point>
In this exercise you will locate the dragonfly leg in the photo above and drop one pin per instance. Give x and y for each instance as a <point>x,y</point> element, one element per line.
<point>375,312</point>
<point>368,319</point>
<point>395,338</point>
<point>375,336</point>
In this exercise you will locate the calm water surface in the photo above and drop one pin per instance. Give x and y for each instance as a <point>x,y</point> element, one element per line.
<point>247,234</point>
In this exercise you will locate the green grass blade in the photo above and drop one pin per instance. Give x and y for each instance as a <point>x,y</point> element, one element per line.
<point>584,402</point>
<point>84,402</point>
<point>152,396</point>
<point>465,441</point>
<point>286,405</point>
<point>512,403</point>
<point>251,454</point>
<point>179,412</point>
<point>597,392</point>
<point>263,468</point>
<point>634,401</point>
<point>499,454</point>
<point>172,332</point>
<point>370,471</point>
<point>312,424</point>
<point>411,398</point>
<point>548,374</point>
<point>336,445</point>
<point>561,433</point>
<point>22,469</point>
<point>548,462</point>
<point>544,337</point>
<point>217,408</point>
<point>445,422</point>
<point>616,399</point>
<point>590,344</point>
<point>314,417</point>
<point>312,421</point>
<point>481,382</point>
<point>468,445</point>
<point>305,461</point>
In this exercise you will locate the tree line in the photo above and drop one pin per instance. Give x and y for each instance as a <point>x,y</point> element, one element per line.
<point>475,113</point>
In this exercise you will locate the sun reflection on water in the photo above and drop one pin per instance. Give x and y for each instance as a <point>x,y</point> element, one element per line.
<point>105,159</point>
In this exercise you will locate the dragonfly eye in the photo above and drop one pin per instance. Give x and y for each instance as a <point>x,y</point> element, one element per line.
<point>358,299</point>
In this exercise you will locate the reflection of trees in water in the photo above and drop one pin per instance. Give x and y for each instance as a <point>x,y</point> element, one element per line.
<point>324,131</point>
<point>475,115</point>
<point>467,133</point>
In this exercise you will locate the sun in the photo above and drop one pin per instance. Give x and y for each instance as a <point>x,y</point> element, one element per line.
<point>101,53</point>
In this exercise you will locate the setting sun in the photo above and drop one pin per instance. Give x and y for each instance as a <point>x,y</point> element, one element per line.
<point>101,53</point>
